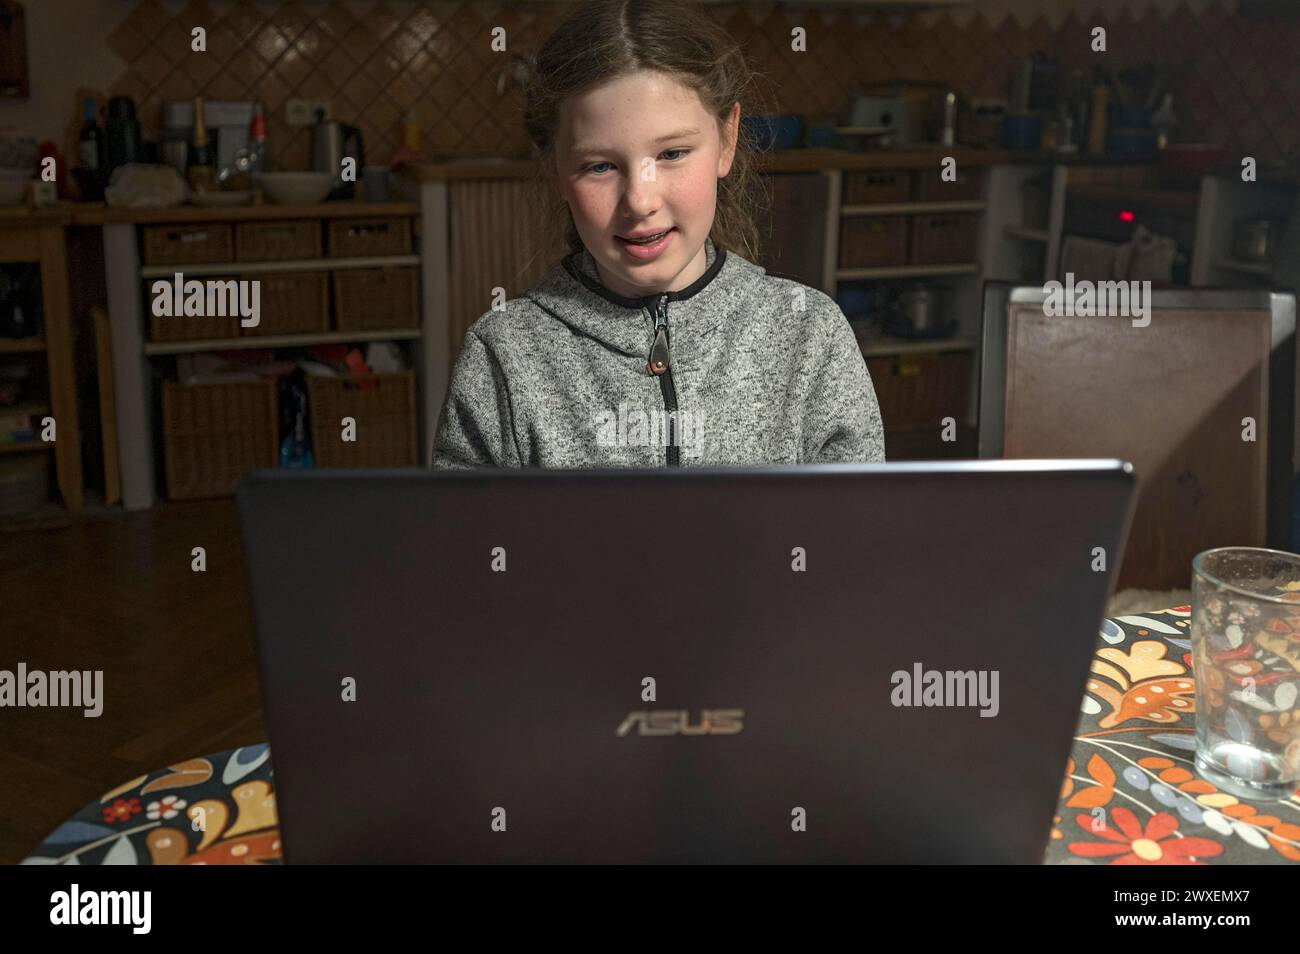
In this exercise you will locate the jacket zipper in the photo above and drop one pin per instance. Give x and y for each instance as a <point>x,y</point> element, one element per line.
<point>659,364</point>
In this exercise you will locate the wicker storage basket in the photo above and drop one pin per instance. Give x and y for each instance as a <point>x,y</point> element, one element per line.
<point>383,406</point>
<point>934,188</point>
<point>376,298</point>
<point>943,238</point>
<point>188,327</point>
<point>277,241</point>
<point>214,433</point>
<point>917,391</point>
<point>877,187</point>
<point>353,238</point>
<point>292,303</point>
<point>873,241</point>
<point>187,244</point>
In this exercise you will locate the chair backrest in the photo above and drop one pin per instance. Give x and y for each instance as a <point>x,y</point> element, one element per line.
<point>1176,397</point>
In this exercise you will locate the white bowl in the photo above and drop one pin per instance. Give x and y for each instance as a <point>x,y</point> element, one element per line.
<point>12,182</point>
<point>295,188</point>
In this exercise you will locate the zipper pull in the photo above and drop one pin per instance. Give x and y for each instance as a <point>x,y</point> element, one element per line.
<point>658,361</point>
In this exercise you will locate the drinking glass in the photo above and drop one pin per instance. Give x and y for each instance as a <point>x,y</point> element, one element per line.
<point>1246,657</point>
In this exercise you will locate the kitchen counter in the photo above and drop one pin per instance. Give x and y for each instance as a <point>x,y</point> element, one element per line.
<point>97,213</point>
<point>792,160</point>
<point>917,156</point>
<point>920,156</point>
<point>1051,157</point>
<point>1283,175</point>
<point>21,216</point>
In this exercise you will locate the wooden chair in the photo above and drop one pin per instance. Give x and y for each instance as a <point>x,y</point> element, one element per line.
<point>1172,397</point>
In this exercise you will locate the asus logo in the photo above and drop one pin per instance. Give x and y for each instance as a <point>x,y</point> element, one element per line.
<point>678,722</point>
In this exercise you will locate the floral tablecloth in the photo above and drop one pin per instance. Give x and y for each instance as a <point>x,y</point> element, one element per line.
<point>216,810</point>
<point>1130,794</point>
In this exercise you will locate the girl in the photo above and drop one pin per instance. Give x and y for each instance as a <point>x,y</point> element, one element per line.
<point>656,341</point>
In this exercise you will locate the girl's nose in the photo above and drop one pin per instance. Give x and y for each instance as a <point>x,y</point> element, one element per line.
<point>641,200</point>
<point>642,184</point>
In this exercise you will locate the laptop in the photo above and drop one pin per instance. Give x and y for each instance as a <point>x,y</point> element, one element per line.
<point>814,663</point>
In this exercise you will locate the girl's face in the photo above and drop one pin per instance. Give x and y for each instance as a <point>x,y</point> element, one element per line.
<point>637,155</point>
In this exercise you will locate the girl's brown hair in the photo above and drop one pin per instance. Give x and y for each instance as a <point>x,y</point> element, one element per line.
<point>603,40</point>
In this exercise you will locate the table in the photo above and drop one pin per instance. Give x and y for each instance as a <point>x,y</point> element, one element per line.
<point>1130,794</point>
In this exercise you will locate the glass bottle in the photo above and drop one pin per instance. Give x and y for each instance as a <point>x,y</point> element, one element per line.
<point>200,169</point>
<point>90,149</point>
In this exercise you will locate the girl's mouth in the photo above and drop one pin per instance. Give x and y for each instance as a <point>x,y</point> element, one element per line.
<point>649,248</point>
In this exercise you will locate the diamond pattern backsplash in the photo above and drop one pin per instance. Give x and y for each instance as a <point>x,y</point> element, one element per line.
<point>375,62</point>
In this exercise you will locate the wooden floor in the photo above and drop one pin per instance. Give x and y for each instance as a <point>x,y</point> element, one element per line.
<point>114,591</point>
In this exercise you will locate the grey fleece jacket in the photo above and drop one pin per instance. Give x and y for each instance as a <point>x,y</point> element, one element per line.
<point>754,369</point>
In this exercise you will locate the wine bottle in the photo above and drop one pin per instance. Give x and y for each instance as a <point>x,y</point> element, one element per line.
<point>200,168</point>
<point>90,148</point>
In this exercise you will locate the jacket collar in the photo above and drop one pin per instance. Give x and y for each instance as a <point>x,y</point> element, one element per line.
<point>573,294</point>
<point>582,266</point>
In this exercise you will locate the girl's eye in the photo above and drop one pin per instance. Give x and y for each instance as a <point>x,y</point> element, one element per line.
<point>592,167</point>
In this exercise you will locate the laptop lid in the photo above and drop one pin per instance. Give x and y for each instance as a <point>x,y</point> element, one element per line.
<point>703,665</point>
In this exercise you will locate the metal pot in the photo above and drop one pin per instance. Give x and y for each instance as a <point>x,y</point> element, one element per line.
<point>920,310</point>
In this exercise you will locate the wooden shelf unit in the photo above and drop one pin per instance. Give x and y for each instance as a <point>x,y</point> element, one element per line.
<point>156,348</point>
<point>1224,200</point>
<point>904,208</point>
<point>294,265</point>
<point>37,236</point>
<point>887,345</point>
<point>22,345</point>
<point>132,352</point>
<point>966,276</point>
<point>1161,199</point>
<point>97,213</point>
<point>1029,235</point>
<point>29,447</point>
<point>906,271</point>
<point>1263,269</point>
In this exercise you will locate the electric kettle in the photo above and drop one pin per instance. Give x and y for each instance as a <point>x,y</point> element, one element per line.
<point>332,143</point>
